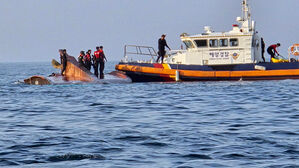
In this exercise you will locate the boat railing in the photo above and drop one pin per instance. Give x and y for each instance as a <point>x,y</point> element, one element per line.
<point>142,53</point>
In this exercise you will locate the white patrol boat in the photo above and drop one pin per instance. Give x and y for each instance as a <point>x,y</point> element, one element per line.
<point>213,56</point>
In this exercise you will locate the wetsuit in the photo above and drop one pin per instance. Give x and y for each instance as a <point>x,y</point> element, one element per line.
<point>272,50</point>
<point>161,46</point>
<point>102,64</point>
<point>63,60</point>
<point>87,59</point>
<point>263,49</point>
<point>96,63</point>
<point>80,60</point>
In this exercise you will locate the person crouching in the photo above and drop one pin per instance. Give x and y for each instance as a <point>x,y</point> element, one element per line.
<point>272,50</point>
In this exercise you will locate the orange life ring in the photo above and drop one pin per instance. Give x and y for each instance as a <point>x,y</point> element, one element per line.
<point>295,49</point>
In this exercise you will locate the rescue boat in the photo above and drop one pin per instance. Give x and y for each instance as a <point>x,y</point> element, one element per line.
<point>213,56</point>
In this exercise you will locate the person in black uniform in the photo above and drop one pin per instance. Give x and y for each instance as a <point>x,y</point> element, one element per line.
<point>81,58</point>
<point>63,60</point>
<point>94,64</point>
<point>96,60</point>
<point>263,49</point>
<point>102,62</point>
<point>161,46</point>
<point>87,60</point>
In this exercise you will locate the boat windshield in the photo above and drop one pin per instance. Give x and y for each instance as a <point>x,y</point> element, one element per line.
<point>189,44</point>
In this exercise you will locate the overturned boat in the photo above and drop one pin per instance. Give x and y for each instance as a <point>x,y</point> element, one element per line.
<point>213,56</point>
<point>75,73</point>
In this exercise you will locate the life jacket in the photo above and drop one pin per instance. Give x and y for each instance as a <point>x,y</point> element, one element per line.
<point>97,54</point>
<point>80,59</point>
<point>101,53</point>
<point>87,57</point>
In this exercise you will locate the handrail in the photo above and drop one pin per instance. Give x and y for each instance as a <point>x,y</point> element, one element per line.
<point>151,51</point>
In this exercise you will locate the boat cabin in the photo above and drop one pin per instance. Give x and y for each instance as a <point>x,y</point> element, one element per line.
<point>241,45</point>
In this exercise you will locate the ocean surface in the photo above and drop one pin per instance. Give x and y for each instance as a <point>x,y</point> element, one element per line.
<point>146,125</point>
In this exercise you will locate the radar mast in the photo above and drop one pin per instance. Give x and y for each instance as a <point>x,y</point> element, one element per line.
<point>245,21</point>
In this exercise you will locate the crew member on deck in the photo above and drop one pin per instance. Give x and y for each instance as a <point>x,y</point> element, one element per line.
<point>96,61</point>
<point>272,50</point>
<point>80,58</point>
<point>263,49</point>
<point>102,62</point>
<point>63,60</point>
<point>87,60</point>
<point>161,46</point>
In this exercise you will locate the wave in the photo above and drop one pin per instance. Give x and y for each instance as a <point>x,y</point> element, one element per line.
<point>72,156</point>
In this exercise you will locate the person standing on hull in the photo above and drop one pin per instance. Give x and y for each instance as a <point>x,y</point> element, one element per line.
<point>87,60</point>
<point>263,49</point>
<point>102,62</point>
<point>63,60</point>
<point>80,58</point>
<point>96,61</point>
<point>93,63</point>
<point>272,50</point>
<point>161,46</point>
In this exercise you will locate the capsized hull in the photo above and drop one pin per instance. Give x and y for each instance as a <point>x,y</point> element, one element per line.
<point>75,73</point>
<point>148,72</point>
<point>113,77</point>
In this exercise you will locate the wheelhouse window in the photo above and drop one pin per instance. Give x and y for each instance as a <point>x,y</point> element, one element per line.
<point>201,43</point>
<point>189,44</point>
<point>233,42</point>
<point>213,43</point>
<point>223,42</point>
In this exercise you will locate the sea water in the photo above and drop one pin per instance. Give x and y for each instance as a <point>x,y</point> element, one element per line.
<point>148,125</point>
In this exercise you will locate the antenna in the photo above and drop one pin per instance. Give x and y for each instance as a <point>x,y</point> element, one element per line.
<point>247,24</point>
<point>246,10</point>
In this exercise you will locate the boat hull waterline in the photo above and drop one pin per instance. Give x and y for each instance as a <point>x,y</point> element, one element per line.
<point>154,72</point>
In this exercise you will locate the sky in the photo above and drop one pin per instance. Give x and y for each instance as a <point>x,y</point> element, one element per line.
<point>34,30</point>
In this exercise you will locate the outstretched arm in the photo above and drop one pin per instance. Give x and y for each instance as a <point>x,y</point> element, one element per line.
<point>104,57</point>
<point>276,51</point>
<point>167,45</point>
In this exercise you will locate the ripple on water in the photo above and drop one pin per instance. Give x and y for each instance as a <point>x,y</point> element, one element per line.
<point>8,162</point>
<point>194,156</point>
<point>73,156</point>
<point>134,138</point>
<point>154,144</point>
<point>288,133</point>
